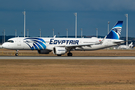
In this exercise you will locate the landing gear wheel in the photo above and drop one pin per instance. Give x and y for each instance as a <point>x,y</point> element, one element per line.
<point>59,55</point>
<point>69,54</point>
<point>16,54</point>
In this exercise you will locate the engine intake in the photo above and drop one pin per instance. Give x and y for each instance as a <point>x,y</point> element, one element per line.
<point>59,50</point>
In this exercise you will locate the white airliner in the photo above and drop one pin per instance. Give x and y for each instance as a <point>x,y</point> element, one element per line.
<point>130,46</point>
<point>60,46</point>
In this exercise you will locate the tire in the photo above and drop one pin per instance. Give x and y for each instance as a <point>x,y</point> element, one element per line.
<point>69,54</point>
<point>59,55</point>
<point>16,54</point>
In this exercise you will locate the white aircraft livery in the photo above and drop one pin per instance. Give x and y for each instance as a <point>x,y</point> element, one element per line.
<point>60,46</point>
<point>130,46</point>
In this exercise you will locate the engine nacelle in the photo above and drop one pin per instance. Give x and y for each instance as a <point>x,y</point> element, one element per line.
<point>44,51</point>
<point>59,50</point>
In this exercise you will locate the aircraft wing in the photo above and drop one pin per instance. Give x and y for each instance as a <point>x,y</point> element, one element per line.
<point>81,45</point>
<point>69,47</point>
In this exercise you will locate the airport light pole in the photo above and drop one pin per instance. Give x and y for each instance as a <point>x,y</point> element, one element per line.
<point>75,25</point>
<point>67,32</point>
<point>24,21</point>
<point>97,32</point>
<point>27,32</point>
<point>4,35</point>
<point>58,34</point>
<point>126,29</point>
<point>15,33</point>
<point>53,32</point>
<point>81,32</point>
<point>21,33</point>
<point>40,32</point>
<point>108,26</point>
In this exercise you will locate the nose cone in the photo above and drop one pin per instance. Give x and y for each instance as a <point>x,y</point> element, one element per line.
<point>5,45</point>
<point>0,46</point>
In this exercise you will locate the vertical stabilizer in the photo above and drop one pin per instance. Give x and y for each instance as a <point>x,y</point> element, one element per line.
<point>115,31</point>
<point>131,45</point>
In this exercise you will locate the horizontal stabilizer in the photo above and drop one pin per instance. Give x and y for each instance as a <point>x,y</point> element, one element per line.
<point>118,42</point>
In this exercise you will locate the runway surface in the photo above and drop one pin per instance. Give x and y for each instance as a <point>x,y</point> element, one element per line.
<point>56,57</point>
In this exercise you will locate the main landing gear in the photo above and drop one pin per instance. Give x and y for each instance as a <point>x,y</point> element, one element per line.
<point>16,54</point>
<point>69,54</point>
<point>58,54</point>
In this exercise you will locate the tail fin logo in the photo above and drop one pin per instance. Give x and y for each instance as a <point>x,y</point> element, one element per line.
<point>35,43</point>
<point>116,31</point>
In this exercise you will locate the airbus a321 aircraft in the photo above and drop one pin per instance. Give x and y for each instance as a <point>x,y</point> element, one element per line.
<point>60,46</point>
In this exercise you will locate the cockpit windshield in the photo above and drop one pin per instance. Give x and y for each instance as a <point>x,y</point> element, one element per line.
<point>11,41</point>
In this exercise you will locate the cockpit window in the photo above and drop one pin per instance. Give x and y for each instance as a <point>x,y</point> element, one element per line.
<point>11,41</point>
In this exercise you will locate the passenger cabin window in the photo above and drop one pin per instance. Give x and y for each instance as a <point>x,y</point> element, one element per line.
<point>11,41</point>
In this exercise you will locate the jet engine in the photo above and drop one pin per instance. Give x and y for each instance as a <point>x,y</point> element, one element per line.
<point>44,51</point>
<point>59,50</point>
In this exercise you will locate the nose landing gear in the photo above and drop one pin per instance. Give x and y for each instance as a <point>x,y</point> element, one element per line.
<point>16,54</point>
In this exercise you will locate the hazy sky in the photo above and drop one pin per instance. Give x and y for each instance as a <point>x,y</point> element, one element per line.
<point>58,15</point>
